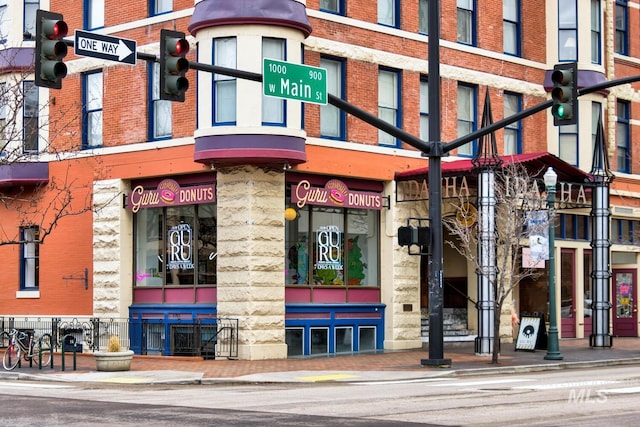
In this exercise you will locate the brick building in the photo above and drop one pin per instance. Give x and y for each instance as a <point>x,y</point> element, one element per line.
<point>187,199</point>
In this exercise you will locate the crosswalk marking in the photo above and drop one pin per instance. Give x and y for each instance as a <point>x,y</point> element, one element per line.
<point>31,384</point>
<point>575,384</point>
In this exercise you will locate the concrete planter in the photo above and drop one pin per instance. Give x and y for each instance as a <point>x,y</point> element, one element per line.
<point>113,361</point>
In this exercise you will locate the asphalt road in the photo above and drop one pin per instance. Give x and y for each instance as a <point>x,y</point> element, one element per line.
<point>593,397</point>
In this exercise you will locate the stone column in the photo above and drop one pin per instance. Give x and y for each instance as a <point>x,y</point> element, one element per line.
<point>251,258</point>
<point>400,278</point>
<point>112,249</point>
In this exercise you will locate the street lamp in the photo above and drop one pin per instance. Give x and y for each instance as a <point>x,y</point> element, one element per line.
<point>553,346</point>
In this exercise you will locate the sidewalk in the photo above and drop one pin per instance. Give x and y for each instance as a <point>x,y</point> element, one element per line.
<point>383,366</point>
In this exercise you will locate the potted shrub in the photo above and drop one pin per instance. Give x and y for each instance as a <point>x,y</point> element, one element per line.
<point>115,358</point>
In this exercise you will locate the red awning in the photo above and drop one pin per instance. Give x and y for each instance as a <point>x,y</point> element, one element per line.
<point>537,163</point>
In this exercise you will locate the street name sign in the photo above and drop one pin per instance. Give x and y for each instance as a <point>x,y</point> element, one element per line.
<point>105,47</point>
<point>304,83</point>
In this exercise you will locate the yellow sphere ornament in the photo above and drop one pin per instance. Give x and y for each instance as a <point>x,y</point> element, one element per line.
<point>290,214</point>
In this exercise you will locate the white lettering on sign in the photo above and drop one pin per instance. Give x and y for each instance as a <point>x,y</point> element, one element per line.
<point>180,254</point>
<point>329,248</point>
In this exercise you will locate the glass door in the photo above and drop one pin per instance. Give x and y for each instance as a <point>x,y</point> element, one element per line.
<point>625,302</point>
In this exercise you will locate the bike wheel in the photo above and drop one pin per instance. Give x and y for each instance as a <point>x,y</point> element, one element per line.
<point>11,357</point>
<point>43,347</point>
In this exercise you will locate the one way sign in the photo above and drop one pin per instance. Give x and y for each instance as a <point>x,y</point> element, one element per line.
<point>105,47</point>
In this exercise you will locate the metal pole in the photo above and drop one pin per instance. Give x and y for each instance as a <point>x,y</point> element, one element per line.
<point>487,257</point>
<point>601,273</point>
<point>436,339</point>
<point>553,346</point>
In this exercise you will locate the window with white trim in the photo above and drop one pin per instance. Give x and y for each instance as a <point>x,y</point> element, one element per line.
<point>512,132</point>
<point>388,13</point>
<point>273,109</point>
<point>467,121</point>
<point>30,8</point>
<point>224,87</point>
<point>466,21</point>
<point>29,258</point>
<point>160,111</point>
<point>424,109</point>
<point>332,119</point>
<point>388,103</point>
<point>567,30</point>
<point>596,30</point>
<point>92,118</point>
<point>30,117</point>
<point>511,27</point>
<point>157,7</point>
<point>93,14</point>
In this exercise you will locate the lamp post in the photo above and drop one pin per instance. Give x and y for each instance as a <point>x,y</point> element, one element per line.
<point>553,346</point>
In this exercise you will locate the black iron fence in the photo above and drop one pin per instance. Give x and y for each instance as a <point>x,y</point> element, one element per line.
<point>209,338</point>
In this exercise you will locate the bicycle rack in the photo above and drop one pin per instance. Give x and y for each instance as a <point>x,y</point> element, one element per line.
<point>68,340</point>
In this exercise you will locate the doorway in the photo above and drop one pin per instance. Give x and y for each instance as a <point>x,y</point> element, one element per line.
<point>625,303</point>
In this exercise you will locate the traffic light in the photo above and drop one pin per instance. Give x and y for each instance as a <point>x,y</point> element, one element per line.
<point>50,49</point>
<point>173,65</point>
<point>418,236</point>
<point>565,94</point>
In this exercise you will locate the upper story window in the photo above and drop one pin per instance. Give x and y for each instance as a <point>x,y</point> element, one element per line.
<point>30,8</point>
<point>511,26</point>
<point>156,7</point>
<point>623,147</point>
<point>625,231</point>
<point>388,103</point>
<point>160,109</point>
<point>466,16</point>
<point>4,113</point>
<point>467,117</point>
<point>30,115</point>
<point>273,109</point>
<point>567,30</point>
<point>29,258</point>
<point>224,87</point>
<point>333,6</point>
<point>424,109</point>
<point>568,144</point>
<point>423,17</point>
<point>92,118</point>
<point>332,119</point>
<point>93,14</point>
<point>622,28</point>
<point>512,132</point>
<point>4,24</point>
<point>596,111</point>
<point>596,29</point>
<point>388,13</point>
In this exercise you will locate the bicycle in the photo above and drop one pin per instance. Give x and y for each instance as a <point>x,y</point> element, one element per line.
<point>33,347</point>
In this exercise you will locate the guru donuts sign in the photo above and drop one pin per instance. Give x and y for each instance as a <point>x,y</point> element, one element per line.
<point>169,193</point>
<point>334,193</point>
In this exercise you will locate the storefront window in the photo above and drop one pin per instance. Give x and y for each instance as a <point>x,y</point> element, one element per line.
<point>341,241</point>
<point>175,246</point>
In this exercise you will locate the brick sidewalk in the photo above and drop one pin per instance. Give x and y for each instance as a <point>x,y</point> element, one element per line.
<point>462,357</point>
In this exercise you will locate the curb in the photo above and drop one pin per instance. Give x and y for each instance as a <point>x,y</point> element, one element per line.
<point>271,378</point>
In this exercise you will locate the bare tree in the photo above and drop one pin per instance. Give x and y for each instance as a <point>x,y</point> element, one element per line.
<point>517,199</point>
<point>29,134</point>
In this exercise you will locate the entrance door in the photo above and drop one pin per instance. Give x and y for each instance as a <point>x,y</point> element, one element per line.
<point>567,293</point>
<point>625,303</point>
